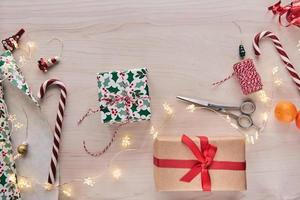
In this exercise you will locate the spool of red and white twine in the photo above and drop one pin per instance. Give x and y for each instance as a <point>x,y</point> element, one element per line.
<point>282,53</point>
<point>58,125</point>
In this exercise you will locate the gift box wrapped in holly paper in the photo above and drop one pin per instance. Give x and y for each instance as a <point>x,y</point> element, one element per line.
<point>199,163</point>
<point>124,96</point>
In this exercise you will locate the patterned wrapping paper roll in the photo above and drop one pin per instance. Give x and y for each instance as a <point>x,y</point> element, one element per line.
<point>11,73</point>
<point>8,186</point>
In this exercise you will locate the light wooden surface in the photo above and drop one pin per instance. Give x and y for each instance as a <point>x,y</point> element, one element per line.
<point>186,45</point>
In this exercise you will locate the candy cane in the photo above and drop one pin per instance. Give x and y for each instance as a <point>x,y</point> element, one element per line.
<point>58,124</point>
<point>283,55</point>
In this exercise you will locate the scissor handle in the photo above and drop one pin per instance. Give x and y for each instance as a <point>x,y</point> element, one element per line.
<point>248,107</point>
<point>244,121</point>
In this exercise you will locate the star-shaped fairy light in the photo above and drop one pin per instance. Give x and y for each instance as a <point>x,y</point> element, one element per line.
<point>12,117</point>
<point>126,141</point>
<point>153,132</point>
<point>168,109</point>
<point>117,173</point>
<point>89,181</point>
<point>18,125</point>
<point>191,108</point>
<point>22,59</point>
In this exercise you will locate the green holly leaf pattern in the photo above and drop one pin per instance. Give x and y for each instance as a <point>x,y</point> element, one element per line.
<point>3,180</point>
<point>25,88</point>
<point>1,62</point>
<point>122,113</point>
<point>120,105</point>
<point>140,74</point>
<point>118,119</point>
<point>113,90</point>
<point>133,107</point>
<point>115,76</point>
<point>107,119</point>
<point>147,90</point>
<point>140,84</point>
<point>105,110</point>
<point>16,78</point>
<point>130,77</point>
<point>99,84</point>
<point>14,82</point>
<point>144,112</point>
<point>146,103</point>
<point>106,82</point>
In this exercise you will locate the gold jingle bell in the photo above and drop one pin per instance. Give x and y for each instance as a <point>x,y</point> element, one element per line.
<point>22,149</point>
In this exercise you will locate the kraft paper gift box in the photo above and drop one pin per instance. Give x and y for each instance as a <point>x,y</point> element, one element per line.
<point>124,96</point>
<point>183,163</point>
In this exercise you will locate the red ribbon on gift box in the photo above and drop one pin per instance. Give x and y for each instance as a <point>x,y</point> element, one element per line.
<point>205,162</point>
<point>292,12</point>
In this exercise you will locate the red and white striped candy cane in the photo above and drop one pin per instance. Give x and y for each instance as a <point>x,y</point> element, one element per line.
<point>58,125</point>
<point>283,55</point>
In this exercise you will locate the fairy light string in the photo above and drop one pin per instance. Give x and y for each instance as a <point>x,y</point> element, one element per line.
<point>116,172</point>
<point>26,183</point>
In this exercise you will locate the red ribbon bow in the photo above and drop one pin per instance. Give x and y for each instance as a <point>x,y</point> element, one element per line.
<point>205,162</point>
<point>292,12</point>
<point>205,158</point>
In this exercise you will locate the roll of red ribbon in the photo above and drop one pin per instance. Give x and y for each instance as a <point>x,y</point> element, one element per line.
<point>291,12</point>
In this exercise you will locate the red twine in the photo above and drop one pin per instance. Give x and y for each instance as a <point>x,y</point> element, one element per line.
<point>203,163</point>
<point>291,11</point>
<point>248,77</point>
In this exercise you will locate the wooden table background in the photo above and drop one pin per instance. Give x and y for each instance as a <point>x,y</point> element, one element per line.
<point>186,45</point>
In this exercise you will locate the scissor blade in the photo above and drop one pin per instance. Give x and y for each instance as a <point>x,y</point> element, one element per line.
<point>198,102</point>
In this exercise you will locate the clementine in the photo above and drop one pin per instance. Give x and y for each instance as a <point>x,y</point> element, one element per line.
<point>285,111</point>
<point>298,120</point>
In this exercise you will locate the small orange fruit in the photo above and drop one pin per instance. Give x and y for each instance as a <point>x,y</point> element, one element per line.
<point>285,111</point>
<point>298,120</point>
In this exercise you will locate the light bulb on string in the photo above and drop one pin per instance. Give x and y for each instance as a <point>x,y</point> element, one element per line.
<point>116,173</point>
<point>191,108</point>
<point>89,181</point>
<point>275,70</point>
<point>169,111</point>
<point>67,190</point>
<point>12,117</point>
<point>153,132</point>
<point>264,116</point>
<point>276,80</point>
<point>47,186</point>
<point>18,125</point>
<point>263,96</point>
<point>22,60</point>
<point>256,135</point>
<point>126,141</point>
<point>24,183</point>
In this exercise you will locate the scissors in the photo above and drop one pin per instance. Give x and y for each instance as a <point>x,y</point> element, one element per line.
<point>246,109</point>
